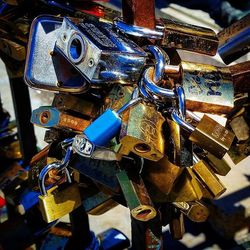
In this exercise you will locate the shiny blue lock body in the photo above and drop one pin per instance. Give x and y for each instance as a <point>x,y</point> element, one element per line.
<point>104,128</point>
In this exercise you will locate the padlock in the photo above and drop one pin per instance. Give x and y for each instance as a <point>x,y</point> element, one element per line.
<point>176,225</point>
<point>186,188</point>
<point>239,151</point>
<point>208,134</point>
<point>136,196</point>
<point>172,33</point>
<point>208,179</point>
<point>58,203</point>
<point>185,36</point>
<point>73,103</point>
<point>234,40</point>
<point>161,175</point>
<point>113,58</point>
<point>141,132</point>
<point>240,128</point>
<point>194,210</point>
<point>46,116</point>
<point>208,88</point>
<point>107,125</point>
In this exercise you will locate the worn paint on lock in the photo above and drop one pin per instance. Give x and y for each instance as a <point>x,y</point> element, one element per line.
<point>185,36</point>
<point>142,133</point>
<point>208,88</point>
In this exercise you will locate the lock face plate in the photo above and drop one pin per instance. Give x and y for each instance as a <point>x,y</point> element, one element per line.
<point>212,136</point>
<point>59,203</point>
<point>43,65</point>
<point>208,89</point>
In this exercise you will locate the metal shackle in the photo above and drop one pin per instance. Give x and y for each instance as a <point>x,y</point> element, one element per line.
<point>137,30</point>
<point>181,101</point>
<point>176,118</point>
<point>56,165</point>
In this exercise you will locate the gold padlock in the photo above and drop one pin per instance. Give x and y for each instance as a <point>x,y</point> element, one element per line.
<point>58,203</point>
<point>194,210</point>
<point>213,187</point>
<point>186,188</point>
<point>141,132</point>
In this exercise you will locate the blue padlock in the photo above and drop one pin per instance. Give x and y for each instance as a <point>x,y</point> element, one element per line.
<point>108,125</point>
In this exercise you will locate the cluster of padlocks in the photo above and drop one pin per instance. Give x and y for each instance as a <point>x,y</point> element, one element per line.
<point>122,128</point>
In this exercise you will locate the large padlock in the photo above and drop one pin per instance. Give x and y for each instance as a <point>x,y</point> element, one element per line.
<point>141,132</point>
<point>47,116</point>
<point>208,88</point>
<point>136,196</point>
<point>213,188</point>
<point>99,53</point>
<point>208,134</point>
<point>107,125</point>
<point>176,224</point>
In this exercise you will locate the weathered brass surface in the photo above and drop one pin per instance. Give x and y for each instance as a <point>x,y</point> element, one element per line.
<point>142,134</point>
<point>59,202</point>
<point>208,88</point>
<point>212,136</point>
<point>176,225</point>
<point>208,179</point>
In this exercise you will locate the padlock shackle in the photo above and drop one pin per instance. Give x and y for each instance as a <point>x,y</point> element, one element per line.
<point>137,31</point>
<point>181,122</point>
<point>129,104</point>
<point>182,102</point>
<point>193,116</point>
<point>152,87</point>
<point>195,158</point>
<point>161,59</point>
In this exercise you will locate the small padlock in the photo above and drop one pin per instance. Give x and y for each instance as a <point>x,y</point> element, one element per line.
<point>240,128</point>
<point>208,134</point>
<point>194,210</point>
<point>137,197</point>
<point>47,116</point>
<point>141,132</point>
<point>107,125</point>
<point>208,179</point>
<point>56,203</point>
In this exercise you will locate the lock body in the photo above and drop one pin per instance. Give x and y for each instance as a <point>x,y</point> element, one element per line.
<point>59,202</point>
<point>141,132</point>
<point>47,116</point>
<point>209,180</point>
<point>176,225</point>
<point>185,36</point>
<point>212,137</point>
<point>208,89</point>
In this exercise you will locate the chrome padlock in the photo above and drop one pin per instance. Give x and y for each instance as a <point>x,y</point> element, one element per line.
<point>108,125</point>
<point>56,203</point>
<point>99,53</point>
<point>208,134</point>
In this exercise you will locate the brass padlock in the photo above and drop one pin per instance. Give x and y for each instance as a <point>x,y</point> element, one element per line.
<point>208,134</point>
<point>194,210</point>
<point>136,196</point>
<point>213,187</point>
<point>58,203</point>
<point>65,102</point>
<point>240,128</point>
<point>180,35</point>
<point>208,88</point>
<point>161,174</point>
<point>141,132</point>
<point>186,188</point>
